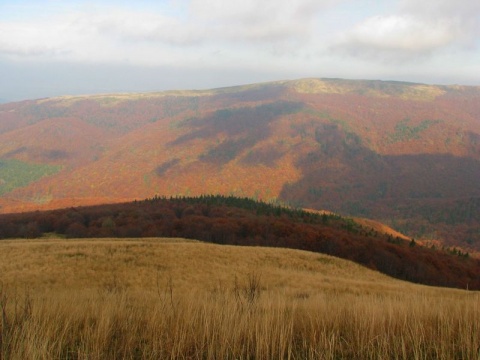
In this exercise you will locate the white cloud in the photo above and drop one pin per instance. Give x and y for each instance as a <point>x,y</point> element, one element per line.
<point>416,29</point>
<point>252,12</point>
<point>465,14</point>
<point>442,8</point>
<point>48,38</point>
<point>397,39</point>
<point>394,34</point>
<point>143,26</point>
<point>258,22</point>
<point>116,35</point>
<point>144,37</point>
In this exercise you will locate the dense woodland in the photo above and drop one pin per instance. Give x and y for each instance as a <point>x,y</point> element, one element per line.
<point>407,155</point>
<point>242,221</point>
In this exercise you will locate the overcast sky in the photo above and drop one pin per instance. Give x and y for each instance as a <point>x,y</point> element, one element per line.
<point>57,47</point>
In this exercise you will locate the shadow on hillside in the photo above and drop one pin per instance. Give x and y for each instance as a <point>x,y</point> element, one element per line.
<point>266,156</point>
<point>345,176</point>
<point>235,95</point>
<point>244,127</point>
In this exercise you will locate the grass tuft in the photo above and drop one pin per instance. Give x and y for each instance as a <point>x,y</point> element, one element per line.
<point>185,299</point>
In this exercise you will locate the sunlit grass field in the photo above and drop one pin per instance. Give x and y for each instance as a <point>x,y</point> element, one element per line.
<point>175,298</point>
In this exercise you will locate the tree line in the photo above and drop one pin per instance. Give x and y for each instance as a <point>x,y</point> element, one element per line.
<point>243,221</point>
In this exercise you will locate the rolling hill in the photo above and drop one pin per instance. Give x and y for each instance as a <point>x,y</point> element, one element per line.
<point>242,221</point>
<point>174,298</point>
<point>297,271</point>
<point>405,154</point>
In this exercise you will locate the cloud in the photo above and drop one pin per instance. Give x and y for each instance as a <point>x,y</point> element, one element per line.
<point>266,13</point>
<point>397,35</point>
<point>333,38</point>
<point>442,8</point>
<point>418,29</point>
<point>168,35</point>
<point>130,26</point>
<point>464,14</point>
<point>91,36</point>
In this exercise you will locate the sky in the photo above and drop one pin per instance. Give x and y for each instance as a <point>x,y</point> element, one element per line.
<point>59,47</point>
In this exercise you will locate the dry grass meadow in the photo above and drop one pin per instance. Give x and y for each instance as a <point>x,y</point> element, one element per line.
<point>181,299</point>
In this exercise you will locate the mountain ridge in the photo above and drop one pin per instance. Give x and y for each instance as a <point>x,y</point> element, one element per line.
<point>402,153</point>
<point>305,83</point>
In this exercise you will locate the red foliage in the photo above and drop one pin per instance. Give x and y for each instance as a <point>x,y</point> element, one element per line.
<point>220,220</point>
<point>392,151</point>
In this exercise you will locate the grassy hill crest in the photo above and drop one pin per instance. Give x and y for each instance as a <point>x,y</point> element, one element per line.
<point>243,221</point>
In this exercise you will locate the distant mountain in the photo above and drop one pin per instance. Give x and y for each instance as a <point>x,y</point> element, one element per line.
<point>405,154</point>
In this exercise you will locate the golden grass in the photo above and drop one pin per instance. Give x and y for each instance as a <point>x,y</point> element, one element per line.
<point>174,298</point>
<point>417,92</point>
<point>421,92</point>
<point>380,227</point>
<point>319,86</point>
<point>112,99</point>
<point>368,224</point>
<point>137,263</point>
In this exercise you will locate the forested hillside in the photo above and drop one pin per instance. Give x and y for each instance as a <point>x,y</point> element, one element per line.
<point>242,221</point>
<point>405,154</point>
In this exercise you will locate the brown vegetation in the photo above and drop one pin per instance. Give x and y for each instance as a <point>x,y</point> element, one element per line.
<point>242,221</point>
<point>164,299</point>
<point>404,154</point>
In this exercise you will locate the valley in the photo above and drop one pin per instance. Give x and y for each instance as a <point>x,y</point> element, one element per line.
<point>405,154</point>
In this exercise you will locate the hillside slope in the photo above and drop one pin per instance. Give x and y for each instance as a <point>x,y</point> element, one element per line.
<point>241,221</point>
<point>405,154</point>
<point>191,264</point>
<point>173,298</point>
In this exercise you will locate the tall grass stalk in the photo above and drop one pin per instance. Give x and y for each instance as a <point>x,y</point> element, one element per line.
<point>218,324</point>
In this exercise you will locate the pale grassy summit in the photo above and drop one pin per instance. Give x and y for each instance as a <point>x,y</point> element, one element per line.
<point>111,99</point>
<point>421,92</point>
<point>376,88</point>
<point>319,86</point>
